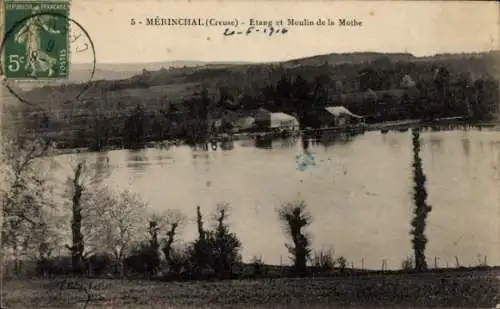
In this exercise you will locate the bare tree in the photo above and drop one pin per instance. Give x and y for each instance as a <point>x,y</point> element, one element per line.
<point>154,226</point>
<point>27,193</point>
<point>173,220</point>
<point>160,229</point>
<point>121,220</point>
<point>48,234</point>
<point>23,179</point>
<point>163,229</point>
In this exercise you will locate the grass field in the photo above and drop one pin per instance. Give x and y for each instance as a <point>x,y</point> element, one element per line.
<point>444,290</point>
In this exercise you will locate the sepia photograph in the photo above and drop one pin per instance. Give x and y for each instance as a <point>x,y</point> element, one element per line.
<point>189,154</point>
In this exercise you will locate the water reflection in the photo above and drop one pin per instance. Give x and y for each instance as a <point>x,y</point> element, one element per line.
<point>305,144</point>
<point>394,143</point>
<point>481,145</point>
<point>162,158</point>
<point>200,147</point>
<point>330,139</point>
<point>466,147</point>
<point>137,160</point>
<point>436,143</point>
<point>307,158</point>
<point>247,143</point>
<point>264,143</point>
<point>227,145</point>
<point>200,151</point>
<point>101,163</point>
<point>289,142</point>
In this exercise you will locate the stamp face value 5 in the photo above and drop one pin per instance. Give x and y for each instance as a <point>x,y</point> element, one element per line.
<point>36,39</point>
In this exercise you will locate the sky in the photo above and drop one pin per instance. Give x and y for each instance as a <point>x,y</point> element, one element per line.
<point>417,27</point>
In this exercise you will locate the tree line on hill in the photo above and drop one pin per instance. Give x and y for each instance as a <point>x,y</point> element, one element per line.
<point>381,90</point>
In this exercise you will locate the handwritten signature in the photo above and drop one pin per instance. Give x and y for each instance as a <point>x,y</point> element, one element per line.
<point>91,290</point>
<point>270,31</point>
<point>74,38</point>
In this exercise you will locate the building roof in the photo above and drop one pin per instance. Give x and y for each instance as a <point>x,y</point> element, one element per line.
<point>245,122</point>
<point>281,116</point>
<point>407,81</point>
<point>341,111</point>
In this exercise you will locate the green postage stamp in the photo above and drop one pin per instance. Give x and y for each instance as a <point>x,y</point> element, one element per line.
<point>35,44</point>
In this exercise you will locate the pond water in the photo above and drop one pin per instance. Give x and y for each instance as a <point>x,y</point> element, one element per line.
<point>358,191</point>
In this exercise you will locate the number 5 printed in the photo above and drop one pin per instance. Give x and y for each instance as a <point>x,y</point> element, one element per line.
<point>15,62</point>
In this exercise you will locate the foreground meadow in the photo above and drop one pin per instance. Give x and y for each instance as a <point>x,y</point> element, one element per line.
<point>457,289</point>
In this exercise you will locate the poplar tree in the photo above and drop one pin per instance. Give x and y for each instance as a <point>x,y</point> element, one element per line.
<point>421,209</point>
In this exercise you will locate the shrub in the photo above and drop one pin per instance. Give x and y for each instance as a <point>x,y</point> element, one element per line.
<point>342,262</point>
<point>61,265</point>
<point>258,266</point>
<point>324,260</point>
<point>407,264</point>
<point>144,260</point>
<point>225,245</point>
<point>215,251</point>
<point>101,264</point>
<point>178,261</point>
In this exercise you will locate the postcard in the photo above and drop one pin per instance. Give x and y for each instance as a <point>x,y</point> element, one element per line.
<point>250,154</point>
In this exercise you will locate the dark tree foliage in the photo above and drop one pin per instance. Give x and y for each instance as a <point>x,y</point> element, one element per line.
<point>369,78</point>
<point>484,98</point>
<point>421,208</point>
<point>102,263</point>
<point>295,218</point>
<point>197,122</point>
<point>143,261</point>
<point>77,247</point>
<point>283,92</point>
<point>321,92</point>
<point>100,133</point>
<point>215,251</point>
<point>161,126</point>
<point>199,222</point>
<point>53,266</point>
<point>200,256</point>
<point>153,229</point>
<point>167,247</point>
<point>301,97</point>
<point>134,128</point>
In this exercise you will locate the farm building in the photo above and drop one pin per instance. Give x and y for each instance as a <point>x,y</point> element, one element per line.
<point>275,121</point>
<point>244,123</point>
<point>342,116</point>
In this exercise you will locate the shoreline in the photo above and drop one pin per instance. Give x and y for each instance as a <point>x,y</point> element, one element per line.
<point>401,126</point>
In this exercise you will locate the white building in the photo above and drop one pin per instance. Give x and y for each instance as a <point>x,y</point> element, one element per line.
<point>342,115</point>
<point>267,120</point>
<point>283,121</point>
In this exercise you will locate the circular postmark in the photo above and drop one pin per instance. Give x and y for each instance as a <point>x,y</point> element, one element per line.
<point>38,52</point>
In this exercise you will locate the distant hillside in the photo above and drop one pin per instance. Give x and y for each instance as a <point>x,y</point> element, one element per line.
<point>335,59</point>
<point>177,81</point>
<point>109,71</point>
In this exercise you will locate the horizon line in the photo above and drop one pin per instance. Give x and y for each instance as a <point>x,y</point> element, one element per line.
<point>303,57</point>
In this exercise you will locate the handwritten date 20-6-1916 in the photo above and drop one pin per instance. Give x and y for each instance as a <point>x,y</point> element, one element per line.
<point>270,31</point>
